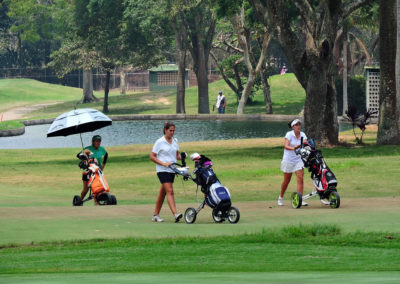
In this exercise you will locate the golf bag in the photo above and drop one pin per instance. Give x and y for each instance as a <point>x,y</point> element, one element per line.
<point>322,177</point>
<point>97,183</point>
<point>217,196</point>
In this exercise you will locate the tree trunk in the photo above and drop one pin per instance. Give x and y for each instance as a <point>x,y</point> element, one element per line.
<point>345,104</point>
<point>398,65</point>
<point>243,35</point>
<point>180,92</point>
<point>266,89</point>
<point>320,109</point>
<point>247,91</point>
<point>122,84</point>
<point>87,79</point>
<point>181,54</point>
<point>388,128</point>
<point>202,84</point>
<point>222,72</point>
<point>106,91</point>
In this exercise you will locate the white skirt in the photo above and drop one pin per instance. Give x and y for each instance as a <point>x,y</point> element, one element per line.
<point>288,167</point>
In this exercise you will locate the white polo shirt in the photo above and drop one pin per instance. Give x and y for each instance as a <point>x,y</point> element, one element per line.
<point>165,152</point>
<point>289,155</point>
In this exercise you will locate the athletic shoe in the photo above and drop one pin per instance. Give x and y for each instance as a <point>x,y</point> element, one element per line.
<point>157,218</point>
<point>304,203</point>
<point>177,216</point>
<point>280,201</point>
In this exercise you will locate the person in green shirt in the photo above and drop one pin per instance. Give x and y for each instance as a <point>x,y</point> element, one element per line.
<point>101,156</point>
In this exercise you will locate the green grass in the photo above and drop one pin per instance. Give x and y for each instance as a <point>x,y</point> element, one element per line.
<point>37,186</point>
<point>10,124</point>
<point>287,98</point>
<point>21,92</point>
<point>208,277</point>
<point>42,233</point>
<point>292,248</point>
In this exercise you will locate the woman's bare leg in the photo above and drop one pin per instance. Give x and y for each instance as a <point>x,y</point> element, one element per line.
<point>285,183</point>
<point>300,183</point>
<point>85,189</point>
<point>170,197</point>
<point>160,200</point>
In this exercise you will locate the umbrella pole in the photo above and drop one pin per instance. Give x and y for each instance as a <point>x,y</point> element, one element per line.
<point>80,135</point>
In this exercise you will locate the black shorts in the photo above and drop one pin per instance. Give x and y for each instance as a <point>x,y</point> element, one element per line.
<point>85,177</point>
<point>166,177</point>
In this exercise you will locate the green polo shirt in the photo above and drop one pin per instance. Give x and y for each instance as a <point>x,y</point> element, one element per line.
<point>98,154</point>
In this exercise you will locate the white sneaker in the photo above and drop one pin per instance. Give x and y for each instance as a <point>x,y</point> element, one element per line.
<point>157,218</point>
<point>280,201</point>
<point>304,203</point>
<point>177,216</point>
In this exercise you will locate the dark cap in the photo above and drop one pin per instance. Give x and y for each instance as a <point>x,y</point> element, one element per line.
<point>96,138</point>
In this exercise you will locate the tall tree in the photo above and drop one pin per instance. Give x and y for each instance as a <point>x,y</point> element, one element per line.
<point>199,27</point>
<point>388,128</point>
<point>254,67</point>
<point>100,23</point>
<point>252,40</point>
<point>307,31</point>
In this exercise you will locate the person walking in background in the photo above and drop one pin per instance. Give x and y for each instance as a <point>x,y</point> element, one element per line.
<point>291,163</point>
<point>166,152</point>
<point>221,102</point>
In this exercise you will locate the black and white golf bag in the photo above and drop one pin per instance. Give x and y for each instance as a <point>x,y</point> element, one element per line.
<point>217,195</point>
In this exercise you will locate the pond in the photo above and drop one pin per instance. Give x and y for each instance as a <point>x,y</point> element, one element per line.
<point>148,131</point>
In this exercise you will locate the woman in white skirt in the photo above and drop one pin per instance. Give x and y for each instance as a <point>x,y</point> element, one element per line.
<point>291,163</point>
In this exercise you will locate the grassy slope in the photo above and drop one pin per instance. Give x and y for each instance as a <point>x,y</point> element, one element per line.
<point>287,97</point>
<point>21,92</point>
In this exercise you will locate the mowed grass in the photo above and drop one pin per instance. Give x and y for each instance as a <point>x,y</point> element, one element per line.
<point>45,239</point>
<point>10,124</point>
<point>37,187</point>
<point>287,98</point>
<point>208,277</point>
<point>292,248</point>
<point>22,92</point>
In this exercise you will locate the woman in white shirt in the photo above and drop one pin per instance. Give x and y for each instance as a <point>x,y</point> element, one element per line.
<point>166,152</point>
<point>291,163</point>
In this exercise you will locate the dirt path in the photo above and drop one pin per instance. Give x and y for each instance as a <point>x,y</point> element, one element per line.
<point>21,112</point>
<point>254,209</point>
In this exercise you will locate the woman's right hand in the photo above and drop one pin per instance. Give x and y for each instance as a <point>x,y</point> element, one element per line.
<point>167,164</point>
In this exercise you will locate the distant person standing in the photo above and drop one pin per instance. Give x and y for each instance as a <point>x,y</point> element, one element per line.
<point>221,102</point>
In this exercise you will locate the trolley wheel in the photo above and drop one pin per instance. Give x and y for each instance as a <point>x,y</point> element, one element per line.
<point>297,200</point>
<point>113,200</point>
<point>104,199</point>
<point>190,215</point>
<point>233,215</point>
<point>217,216</point>
<point>334,199</point>
<point>77,201</point>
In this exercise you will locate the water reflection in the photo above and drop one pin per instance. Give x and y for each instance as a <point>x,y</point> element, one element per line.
<point>146,132</point>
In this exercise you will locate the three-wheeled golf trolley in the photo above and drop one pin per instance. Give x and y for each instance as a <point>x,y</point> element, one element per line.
<point>216,196</point>
<point>322,177</point>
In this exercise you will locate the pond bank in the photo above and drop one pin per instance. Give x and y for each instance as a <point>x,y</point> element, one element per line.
<point>230,117</point>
